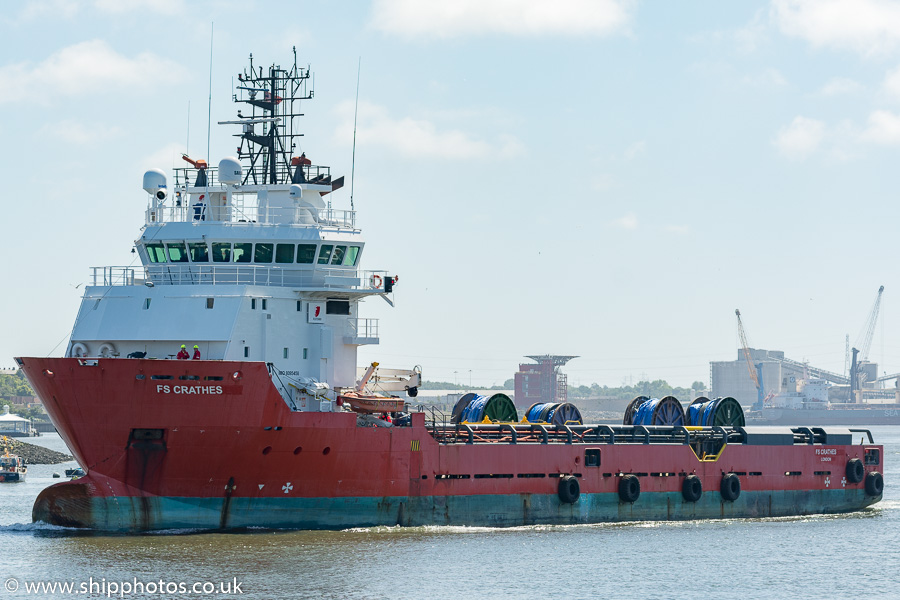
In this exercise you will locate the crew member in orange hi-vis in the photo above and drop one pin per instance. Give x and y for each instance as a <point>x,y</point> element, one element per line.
<point>196,352</point>
<point>183,353</point>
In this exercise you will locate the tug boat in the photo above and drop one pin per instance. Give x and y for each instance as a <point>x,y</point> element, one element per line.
<point>12,467</point>
<point>275,426</point>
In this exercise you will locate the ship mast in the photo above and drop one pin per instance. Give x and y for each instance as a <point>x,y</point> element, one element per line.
<point>267,139</point>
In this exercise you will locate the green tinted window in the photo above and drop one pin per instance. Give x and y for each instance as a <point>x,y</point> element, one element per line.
<point>199,252</point>
<point>325,254</point>
<point>351,256</point>
<point>221,252</point>
<point>177,252</point>
<point>306,253</point>
<point>263,253</point>
<point>157,253</point>
<point>338,256</point>
<point>243,252</point>
<point>284,253</point>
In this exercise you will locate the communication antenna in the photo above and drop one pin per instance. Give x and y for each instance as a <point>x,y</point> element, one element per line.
<point>209,106</point>
<point>355,112</point>
<point>187,144</point>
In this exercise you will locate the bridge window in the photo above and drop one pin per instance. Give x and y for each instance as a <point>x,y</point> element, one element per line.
<point>338,257</point>
<point>177,252</point>
<point>199,252</point>
<point>306,253</point>
<point>263,253</point>
<point>325,254</point>
<point>284,253</point>
<point>337,307</point>
<point>221,252</point>
<point>243,252</point>
<point>351,256</point>
<point>156,252</point>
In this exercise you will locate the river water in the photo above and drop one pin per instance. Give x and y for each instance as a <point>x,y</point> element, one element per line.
<point>823,557</point>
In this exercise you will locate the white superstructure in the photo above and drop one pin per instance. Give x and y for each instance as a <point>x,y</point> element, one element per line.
<point>247,261</point>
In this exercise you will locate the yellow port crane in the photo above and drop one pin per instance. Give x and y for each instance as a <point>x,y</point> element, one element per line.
<point>755,369</point>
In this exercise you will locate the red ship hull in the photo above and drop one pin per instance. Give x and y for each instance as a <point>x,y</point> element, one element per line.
<point>212,445</point>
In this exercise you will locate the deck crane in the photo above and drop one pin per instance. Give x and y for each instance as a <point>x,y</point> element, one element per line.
<point>858,377</point>
<point>755,369</point>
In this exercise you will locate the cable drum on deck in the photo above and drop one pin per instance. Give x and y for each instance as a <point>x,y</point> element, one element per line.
<point>632,408</point>
<point>498,407</point>
<point>533,414</point>
<point>654,411</point>
<point>721,412</point>
<point>460,406</point>
<point>564,413</point>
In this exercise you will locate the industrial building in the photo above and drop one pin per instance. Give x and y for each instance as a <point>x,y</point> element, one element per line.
<point>542,381</point>
<point>782,375</point>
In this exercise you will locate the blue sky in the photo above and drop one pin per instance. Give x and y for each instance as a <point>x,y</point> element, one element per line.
<point>601,178</point>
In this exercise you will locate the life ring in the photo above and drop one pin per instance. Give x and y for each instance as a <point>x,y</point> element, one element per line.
<point>79,350</point>
<point>569,490</point>
<point>107,350</point>
<point>731,487</point>
<point>377,281</point>
<point>855,470</point>
<point>874,484</point>
<point>692,488</point>
<point>629,488</point>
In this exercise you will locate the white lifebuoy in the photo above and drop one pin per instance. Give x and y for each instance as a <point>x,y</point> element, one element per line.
<point>78,350</point>
<point>107,350</point>
<point>376,281</point>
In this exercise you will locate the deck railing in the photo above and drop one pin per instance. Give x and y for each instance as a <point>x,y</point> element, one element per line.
<point>231,274</point>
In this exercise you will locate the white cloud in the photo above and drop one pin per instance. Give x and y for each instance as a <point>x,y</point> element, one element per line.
<point>39,9</point>
<point>801,138</point>
<point>628,221</point>
<point>164,158</point>
<point>81,133</point>
<point>840,85</point>
<point>635,150</point>
<point>85,67</point>
<point>513,17</point>
<point>883,128</point>
<point>869,27</point>
<point>891,83</point>
<point>416,137</point>
<point>678,229</point>
<point>165,7</point>
<point>769,78</point>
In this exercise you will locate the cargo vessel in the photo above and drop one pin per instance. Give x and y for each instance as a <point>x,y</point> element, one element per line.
<point>216,386</point>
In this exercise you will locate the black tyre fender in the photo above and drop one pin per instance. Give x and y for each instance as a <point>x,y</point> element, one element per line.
<point>856,471</point>
<point>569,489</point>
<point>629,488</point>
<point>692,488</point>
<point>731,487</point>
<point>874,484</point>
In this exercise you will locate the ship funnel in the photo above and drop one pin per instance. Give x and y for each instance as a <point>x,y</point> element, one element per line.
<point>230,170</point>
<point>155,183</point>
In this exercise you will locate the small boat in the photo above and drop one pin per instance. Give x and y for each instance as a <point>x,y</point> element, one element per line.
<point>12,468</point>
<point>75,473</point>
<point>365,403</point>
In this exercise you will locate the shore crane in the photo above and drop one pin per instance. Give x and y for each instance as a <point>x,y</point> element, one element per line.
<point>755,369</point>
<point>858,377</point>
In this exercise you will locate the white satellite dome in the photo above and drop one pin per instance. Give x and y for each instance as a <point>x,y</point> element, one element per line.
<point>296,192</point>
<point>155,183</point>
<point>230,170</point>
